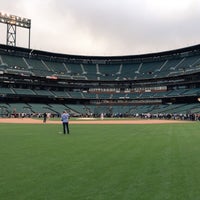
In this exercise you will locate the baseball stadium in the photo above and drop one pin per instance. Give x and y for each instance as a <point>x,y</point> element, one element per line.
<point>134,124</point>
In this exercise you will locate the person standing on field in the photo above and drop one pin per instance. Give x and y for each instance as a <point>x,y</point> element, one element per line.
<point>44,117</point>
<point>65,121</point>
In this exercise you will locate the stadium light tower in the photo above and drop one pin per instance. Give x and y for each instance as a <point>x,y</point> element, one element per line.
<point>12,22</point>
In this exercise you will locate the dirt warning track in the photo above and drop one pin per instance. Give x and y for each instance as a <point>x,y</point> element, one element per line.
<point>81,121</point>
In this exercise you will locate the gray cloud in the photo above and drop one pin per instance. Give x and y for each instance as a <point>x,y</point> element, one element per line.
<point>114,27</point>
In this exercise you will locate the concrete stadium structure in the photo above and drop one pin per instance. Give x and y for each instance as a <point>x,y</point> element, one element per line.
<point>33,81</point>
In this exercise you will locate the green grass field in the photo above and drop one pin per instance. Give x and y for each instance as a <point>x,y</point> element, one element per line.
<point>100,162</point>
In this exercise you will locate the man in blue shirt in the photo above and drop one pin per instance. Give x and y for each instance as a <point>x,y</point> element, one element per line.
<point>65,121</point>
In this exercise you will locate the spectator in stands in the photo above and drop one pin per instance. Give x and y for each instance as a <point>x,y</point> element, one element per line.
<point>65,121</point>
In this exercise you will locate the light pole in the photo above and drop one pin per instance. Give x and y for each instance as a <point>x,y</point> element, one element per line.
<point>12,23</point>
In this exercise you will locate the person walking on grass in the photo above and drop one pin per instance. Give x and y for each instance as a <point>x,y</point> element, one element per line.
<point>65,121</point>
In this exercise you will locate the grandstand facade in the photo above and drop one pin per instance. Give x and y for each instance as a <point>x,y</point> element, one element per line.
<point>33,81</point>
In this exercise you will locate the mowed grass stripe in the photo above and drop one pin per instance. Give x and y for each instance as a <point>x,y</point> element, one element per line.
<point>100,162</point>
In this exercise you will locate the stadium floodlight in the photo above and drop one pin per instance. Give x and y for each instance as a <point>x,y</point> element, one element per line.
<point>12,22</point>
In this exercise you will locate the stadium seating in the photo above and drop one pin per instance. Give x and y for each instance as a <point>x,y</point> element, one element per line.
<point>155,83</point>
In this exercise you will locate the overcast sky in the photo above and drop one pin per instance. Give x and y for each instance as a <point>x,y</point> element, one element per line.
<point>106,27</point>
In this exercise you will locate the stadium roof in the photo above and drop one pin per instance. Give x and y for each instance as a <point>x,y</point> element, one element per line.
<point>68,56</point>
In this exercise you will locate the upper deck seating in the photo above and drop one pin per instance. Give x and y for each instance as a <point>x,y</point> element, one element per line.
<point>14,62</point>
<point>75,69</point>
<point>129,71</point>
<point>57,68</point>
<point>90,71</point>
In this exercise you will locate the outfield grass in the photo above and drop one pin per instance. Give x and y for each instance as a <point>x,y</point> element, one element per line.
<point>100,162</point>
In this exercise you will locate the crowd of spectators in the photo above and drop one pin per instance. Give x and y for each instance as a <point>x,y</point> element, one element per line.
<point>166,116</point>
